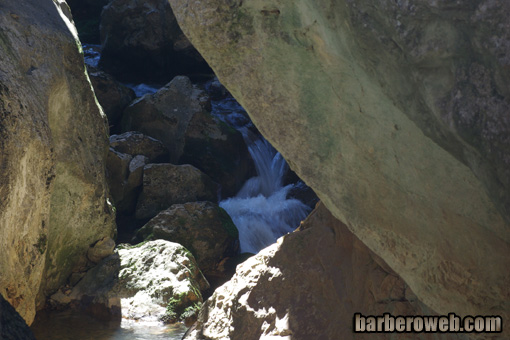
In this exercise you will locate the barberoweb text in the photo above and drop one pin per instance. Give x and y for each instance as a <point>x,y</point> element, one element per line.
<point>452,323</point>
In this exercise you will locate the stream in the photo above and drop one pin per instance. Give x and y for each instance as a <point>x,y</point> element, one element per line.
<point>261,211</point>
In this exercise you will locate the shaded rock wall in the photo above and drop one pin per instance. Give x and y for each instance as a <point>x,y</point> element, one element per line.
<point>12,325</point>
<point>308,286</point>
<point>53,143</point>
<point>396,114</point>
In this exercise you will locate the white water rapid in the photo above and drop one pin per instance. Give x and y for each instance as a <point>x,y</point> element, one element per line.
<point>261,210</point>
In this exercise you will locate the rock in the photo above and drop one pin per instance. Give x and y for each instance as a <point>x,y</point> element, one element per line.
<point>292,291</point>
<point>12,325</point>
<point>101,249</point>
<point>112,95</point>
<point>142,41</point>
<point>203,228</point>
<point>396,115</point>
<point>94,292</point>
<point>165,115</point>
<point>135,143</point>
<point>53,147</point>
<point>159,279</point>
<point>156,280</point>
<point>219,151</point>
<point>168,184</point>
<point>304,193</point>
<point>125,174</point>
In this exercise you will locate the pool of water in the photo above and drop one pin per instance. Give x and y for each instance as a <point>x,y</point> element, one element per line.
<point>80,326</point>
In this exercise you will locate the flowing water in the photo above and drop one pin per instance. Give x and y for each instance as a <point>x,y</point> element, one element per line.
<point>261,210</point>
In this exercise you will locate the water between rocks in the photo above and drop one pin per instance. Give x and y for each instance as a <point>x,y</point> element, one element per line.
<point>73,325</point>
<point>261,211</point>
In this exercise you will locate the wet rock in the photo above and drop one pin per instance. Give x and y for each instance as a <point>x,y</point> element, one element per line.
<point>203,228</point>
<point>101,249</point>
<point>218,150</point>
<point>112,95</point>
<point>165,115</point>
<point>135,143</point>
<point>168,184</point>
<point>290,290</point>
<point>12,325</point>
<point>396,114</point>
<point>142,41</point>
<point>52,157</point>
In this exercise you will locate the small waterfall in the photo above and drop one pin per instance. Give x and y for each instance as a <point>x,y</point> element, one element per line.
<point>261,210</point>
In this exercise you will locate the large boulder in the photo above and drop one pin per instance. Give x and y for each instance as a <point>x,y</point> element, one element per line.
<point>156,280</point>
<point>53,144</point>
<point>167,184</point>
<point>203,228</point>
<point>293,291</point>
<point>165,115</point>
<point>396,114</point>
<point>141,40</point>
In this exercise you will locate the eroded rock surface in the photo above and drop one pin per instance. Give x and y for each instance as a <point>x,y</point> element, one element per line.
<point>53,143</point>
<point>308,286</point>
<point>396,114</point>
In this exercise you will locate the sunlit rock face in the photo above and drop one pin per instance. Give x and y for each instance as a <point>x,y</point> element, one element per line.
<point>396,114</point>
<point>308,286</point>
<point>53,142</point>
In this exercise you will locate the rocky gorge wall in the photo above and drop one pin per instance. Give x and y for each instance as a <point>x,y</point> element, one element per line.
<point>53,143</point>
<point>396,114</point>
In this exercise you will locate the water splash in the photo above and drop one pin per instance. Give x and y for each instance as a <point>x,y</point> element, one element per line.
<point>260,210</point>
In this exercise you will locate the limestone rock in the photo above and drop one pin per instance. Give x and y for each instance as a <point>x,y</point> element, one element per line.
<point>142,40</point>
<point>12,325</point>
<point>165,115</point>
<point>307,286</point>
<point>396,114</point>
<point>159,279</point>
<point>203,228</point>
<point>135,143</point>
<point>112,95</point>
<point>53,144</point>
<point>219,151</point>
<point>168,184</point>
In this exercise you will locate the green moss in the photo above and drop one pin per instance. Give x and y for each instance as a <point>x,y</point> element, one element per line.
<point>177,309</point>
<point>228,224</point>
